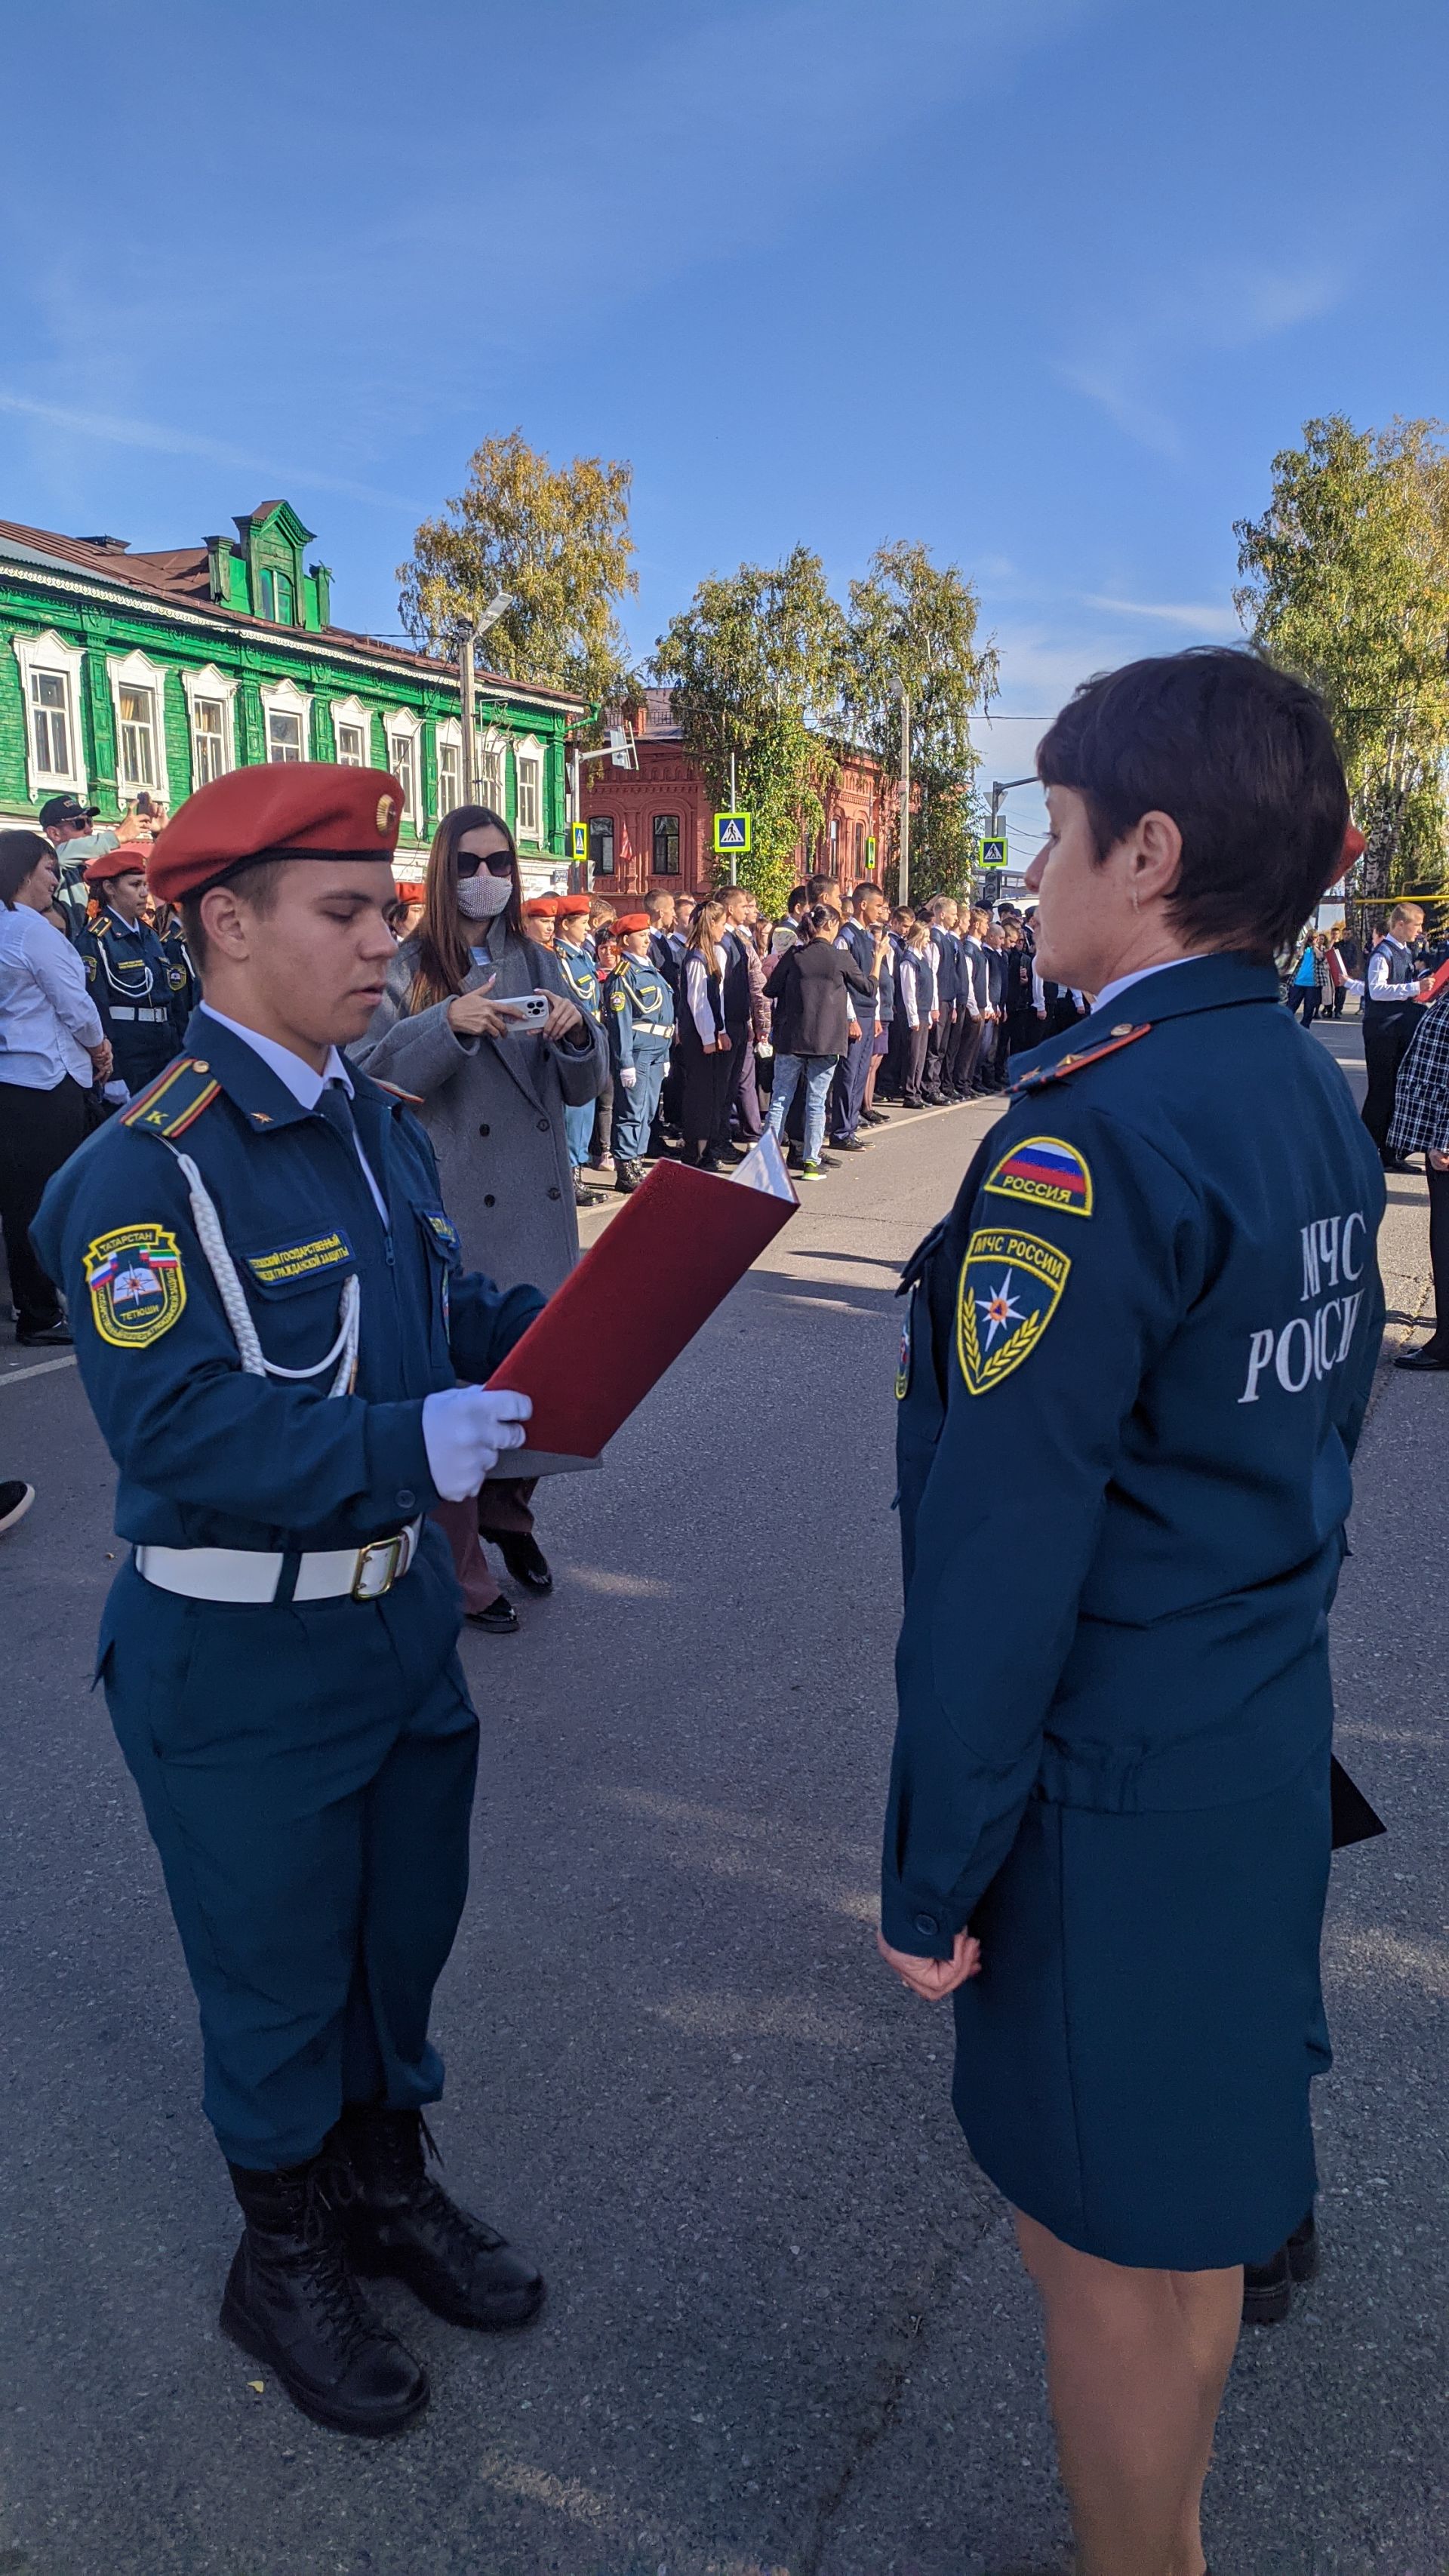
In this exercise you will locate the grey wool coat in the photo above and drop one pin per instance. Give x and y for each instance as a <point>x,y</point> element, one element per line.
<point>494,1110</point>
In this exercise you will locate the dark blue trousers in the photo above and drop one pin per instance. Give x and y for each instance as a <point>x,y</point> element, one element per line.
<point>635,1111</point>
<point>847,1091</point>
<point>307,1775</point>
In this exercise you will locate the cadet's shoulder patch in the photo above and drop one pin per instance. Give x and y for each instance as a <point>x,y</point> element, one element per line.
<point>903,1364</point>
<point>1067,1065</point>
<point>137,1285</point>
<point>409,1099</point>
<point>1048,1172</point>
<point>90,965</point>
<point>619,1001</point>
<point>1009,1290</point>
<point>168,1106</point>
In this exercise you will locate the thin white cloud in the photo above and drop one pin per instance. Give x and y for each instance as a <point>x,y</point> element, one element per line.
<point>1120,362</point>
<point>160,440</point>
<point>1195,617</point>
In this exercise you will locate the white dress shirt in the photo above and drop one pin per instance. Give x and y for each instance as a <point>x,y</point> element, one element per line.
<point>48,1022</point>
<point>302,1079</point>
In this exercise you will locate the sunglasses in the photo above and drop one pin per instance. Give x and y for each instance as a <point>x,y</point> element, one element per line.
<point>498,863</point>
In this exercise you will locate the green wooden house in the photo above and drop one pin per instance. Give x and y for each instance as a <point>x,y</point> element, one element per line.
<point>126,674</point>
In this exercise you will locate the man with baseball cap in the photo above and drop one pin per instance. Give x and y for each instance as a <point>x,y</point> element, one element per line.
<point>271,1316</point>
<point>68,826</point>
<point>127,971</point>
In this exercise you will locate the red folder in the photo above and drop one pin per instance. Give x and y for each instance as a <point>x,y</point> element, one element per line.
<point>639,1295</point>
<point>1437,982</point>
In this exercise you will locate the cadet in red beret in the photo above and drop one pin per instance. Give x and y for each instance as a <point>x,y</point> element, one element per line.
<point>574,951</point>
<point>128,971</point>
<point>541,914</point>
<point>271,1319</point>
<point>639,1025</point>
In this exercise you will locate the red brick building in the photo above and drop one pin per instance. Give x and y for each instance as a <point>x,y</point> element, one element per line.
<point>654,826</point>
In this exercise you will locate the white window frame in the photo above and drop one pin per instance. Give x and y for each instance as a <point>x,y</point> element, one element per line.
<point>492,770</point>
<point>401,725</point>
<point>448,736</point>
<point>351,711</point>
<point>136,671</point>
<point>211,684</point>
<point>284,698</point>
<point>529,749</point>
<point>49,652</point>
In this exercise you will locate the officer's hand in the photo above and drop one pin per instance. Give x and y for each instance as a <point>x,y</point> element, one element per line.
<point>465,1432</point>
<point>629,1076</point>
<point>1424,988</point>
<point>934,1979</point>
<point>102,1060</point>
<point>472,1015</point>
<point>1439,1162</point>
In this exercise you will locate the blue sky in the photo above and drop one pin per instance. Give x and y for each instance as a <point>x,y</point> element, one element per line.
<point>1044,283</point>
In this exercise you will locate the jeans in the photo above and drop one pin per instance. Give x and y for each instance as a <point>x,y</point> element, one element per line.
<point>818,1071</point>
<point>579,1132</point>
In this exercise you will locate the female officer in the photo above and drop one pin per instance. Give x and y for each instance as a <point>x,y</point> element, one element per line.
<point>1108,1831</point>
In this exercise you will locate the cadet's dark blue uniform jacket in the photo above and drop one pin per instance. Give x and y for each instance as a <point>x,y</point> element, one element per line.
<point>130,983</point>
<point>1156,1305</point>
<point>1138,1355</point>
<point>210,1456</point>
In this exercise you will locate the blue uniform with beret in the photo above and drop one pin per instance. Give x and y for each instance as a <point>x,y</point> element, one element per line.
<point>306,1763</point>
<point>1164,1309</point>
<point>639,1025</point>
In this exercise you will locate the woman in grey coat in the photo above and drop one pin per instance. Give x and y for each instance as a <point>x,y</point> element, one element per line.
<point>492,1099</point>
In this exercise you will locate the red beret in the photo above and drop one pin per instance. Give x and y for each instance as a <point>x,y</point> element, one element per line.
<point>129,859</point>
<point>542,907</point>
<point>570,904</point>
<point>296,809</point>
<point>632,921</point>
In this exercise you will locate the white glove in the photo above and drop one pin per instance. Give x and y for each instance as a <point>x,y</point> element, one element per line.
<point>465,1432</point>
<point>628,1075</point>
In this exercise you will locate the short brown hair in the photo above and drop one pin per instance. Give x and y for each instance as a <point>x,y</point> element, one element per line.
<point>20,855</point>
<point>1242,757</point>
<point>257,885</point>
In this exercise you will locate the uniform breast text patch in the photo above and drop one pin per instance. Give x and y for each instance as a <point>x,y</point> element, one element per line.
<point>1010,1287</point>
<point>288,1261</point>
<point>1046,1172</point>
<point>136,1285</point>
<point>441,1225</point>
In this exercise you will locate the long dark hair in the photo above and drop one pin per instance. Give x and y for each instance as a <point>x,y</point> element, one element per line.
<point>20,855</point>
<point>444,956</point>
<point>700,934</point>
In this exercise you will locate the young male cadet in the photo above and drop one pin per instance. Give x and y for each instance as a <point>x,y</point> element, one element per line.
<point>270,1314</point>
<point>571,931</point>
<point>128,973</point>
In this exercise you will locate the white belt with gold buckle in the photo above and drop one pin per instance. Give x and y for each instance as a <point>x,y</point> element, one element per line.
<point>253,1574</point>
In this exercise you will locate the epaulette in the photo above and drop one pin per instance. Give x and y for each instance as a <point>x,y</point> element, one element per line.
<point>178,1095</point>
<point>410,1099</point>
<point>1066,1065</point>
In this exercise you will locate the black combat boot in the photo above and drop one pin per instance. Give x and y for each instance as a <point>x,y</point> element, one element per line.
<point>401,2223</point>
<point>627,1176</point>
<point>292,2302</point>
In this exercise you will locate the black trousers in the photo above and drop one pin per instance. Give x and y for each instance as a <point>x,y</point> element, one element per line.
<point>961,1067</point>
<point>741,1094</point>
<point>917,1041</point>
<point>1305,1000</point>
<point>1385,1043</point>
<point>938,1042</point>
<point>39,1130</point>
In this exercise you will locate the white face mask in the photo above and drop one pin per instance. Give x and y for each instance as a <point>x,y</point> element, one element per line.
<point>483,897</point>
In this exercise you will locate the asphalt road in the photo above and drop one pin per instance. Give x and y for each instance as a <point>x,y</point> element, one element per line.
<point>787,2335</point>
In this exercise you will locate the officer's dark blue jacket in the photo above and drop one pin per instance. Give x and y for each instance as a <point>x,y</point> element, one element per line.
<point>209,1456</point>
<point>1138,1355</point>
<point>129,977</point>
<point>581,976</point>
<point>638,1012</point>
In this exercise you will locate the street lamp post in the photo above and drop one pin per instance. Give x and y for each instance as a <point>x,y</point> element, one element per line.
<point>903,890</point>
<point>468,634</point>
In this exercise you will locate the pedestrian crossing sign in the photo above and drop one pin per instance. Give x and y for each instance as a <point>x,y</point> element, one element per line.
<point>993,850</point>
<point>732,835</point>
<point>870,849</point>
<point>580,837</point>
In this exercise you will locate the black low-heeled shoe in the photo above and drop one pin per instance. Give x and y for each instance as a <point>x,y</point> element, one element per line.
<point>500,1619</point>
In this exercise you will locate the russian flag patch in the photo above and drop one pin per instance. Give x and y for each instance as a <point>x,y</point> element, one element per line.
<point>1047,1172</point>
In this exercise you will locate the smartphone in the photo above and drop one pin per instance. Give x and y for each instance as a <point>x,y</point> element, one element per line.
<point>530,1010</point>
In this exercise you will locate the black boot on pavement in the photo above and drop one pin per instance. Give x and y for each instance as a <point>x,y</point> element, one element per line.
<point>627,1176</point>
<point>1430,1355</point>
<point>292,2302</point>
<point>403,2224</point>
<point>525,1561</point>
<point>1303,2252</point>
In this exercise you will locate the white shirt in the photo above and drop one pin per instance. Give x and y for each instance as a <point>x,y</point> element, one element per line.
<point>48,1021</point>
<point>1391,976</point>
<point>302,1079</point>
<point>1110,992</point>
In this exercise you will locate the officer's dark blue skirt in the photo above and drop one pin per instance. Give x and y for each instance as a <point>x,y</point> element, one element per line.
<point>307,1773</point>
<point>1133,2061</point>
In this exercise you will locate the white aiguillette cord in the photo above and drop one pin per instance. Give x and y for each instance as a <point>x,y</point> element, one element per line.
<point>238,1312</point>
